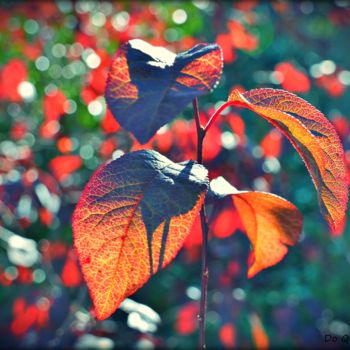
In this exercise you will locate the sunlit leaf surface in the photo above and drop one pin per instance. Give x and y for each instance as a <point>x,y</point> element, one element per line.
<point>131,220</point>
<point>271,223</point>
<point>315,139</point>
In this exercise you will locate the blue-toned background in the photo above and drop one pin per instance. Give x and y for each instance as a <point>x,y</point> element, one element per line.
<point>55,131</point>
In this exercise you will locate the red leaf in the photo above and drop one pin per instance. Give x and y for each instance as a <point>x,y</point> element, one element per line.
<point>195,236</point>
<point>109,124</point>
<point>341,124</point>
<point>212,145</point>
<point>11,76</point>
<point>186,319</point>
<point>25,275</point>
<point>226,223</point>
<point>293,79</point>
<point>54,105</point>
<point>163,141</point>
<point>331,84</point>
<point>63,166</point>
<point>18,306</point>
<point>314,138</point>
<point>71,276</point>
<point>228,335</point>
<point>271,144</point>
<point>224,41</point>
<point>241,38</point>
<point>23,322</point>
<point>64,144</point>
<point>237,125</point>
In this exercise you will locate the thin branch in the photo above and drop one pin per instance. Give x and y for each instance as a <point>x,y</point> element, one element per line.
<point>204,256</point>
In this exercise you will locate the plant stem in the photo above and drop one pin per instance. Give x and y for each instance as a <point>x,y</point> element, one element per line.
<point>204,256</point>
<point>216,113</point>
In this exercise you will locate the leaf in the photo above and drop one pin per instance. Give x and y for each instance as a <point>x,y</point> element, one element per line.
<point>314,138</point>
<point>63,166</point>
<point>148,86</point>
<point>271,223</point>
<point>260,338</point>
<point>292,79</point>
<point>227,335</point>
<point>186,318</point>
<point>271,144</point>
<point>131,220</point>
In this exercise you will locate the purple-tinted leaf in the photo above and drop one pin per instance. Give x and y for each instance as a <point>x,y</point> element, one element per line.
<point>148,86</point>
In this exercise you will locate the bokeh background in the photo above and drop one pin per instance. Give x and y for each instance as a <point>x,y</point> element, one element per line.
<point>55,131</point>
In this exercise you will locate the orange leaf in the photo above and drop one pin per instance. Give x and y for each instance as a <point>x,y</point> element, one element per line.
<point>260,338</point>
<point>271,223</point>
<point>314,138</point>
<point>131,220</point>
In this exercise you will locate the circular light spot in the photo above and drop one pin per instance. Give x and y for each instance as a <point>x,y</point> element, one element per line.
<point>95,108</point>
<point>39,276</point>
<point>76,49</point>
<point>86,152</point>
<point>43,303</point>
<point>31,26</point>
<point>171,34</point>
<point>93,60</point>
<point>69,106</point>
<point>65,6</point>
<point>78,67</point>
<point>55,71</point>
<point>260,184</point>
<point>13,109</point>
<point>257,152</point>
<point>52,127</point>
<point>32,175</point>
<point>67,72</point>
<point>327,67</point>
<point>276,77</point>
<point>229,140</point>
<point>239,294</point>
<point>13,175</point>
<point>58,50</point>
<point>271,165</point>
<point>11,273</point>
<point>120,21</point>
<point>344,77</point>
<point>50,89</point>
<point>98,19</point>
<point>42,63</point>
<point>179,16</point>
<point>27,90</point>
<point>193,293</point>
<point>315,71</point>
<point>106,7</point>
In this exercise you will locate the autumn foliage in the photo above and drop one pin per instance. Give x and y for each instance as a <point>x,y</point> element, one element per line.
<point>133,218</point>
<point>101,236</point>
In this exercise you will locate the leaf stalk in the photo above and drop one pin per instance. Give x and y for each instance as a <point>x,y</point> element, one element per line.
<point>201,132</point>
